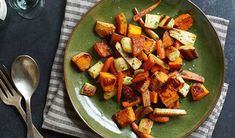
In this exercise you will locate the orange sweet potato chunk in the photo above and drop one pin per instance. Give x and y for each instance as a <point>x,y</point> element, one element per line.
<point>82,60</point>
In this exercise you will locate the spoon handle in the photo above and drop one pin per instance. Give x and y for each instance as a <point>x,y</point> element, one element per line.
<point>22,113</point>
<point>30,132</point>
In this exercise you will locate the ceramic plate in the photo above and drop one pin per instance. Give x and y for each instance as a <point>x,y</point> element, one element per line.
<point>97,113</point>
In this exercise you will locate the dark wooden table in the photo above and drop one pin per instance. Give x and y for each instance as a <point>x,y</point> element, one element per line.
<point>39,38</point>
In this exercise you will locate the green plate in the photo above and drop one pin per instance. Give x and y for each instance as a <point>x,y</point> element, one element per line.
<point>96,112</point>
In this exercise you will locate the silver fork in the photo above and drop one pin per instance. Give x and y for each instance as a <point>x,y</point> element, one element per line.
<point>10,96</point>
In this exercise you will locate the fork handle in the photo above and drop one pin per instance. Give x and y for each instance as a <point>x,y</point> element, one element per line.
<point>23,115</point>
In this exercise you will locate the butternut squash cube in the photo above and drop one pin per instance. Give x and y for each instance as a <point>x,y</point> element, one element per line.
<point>198,91</point>
<point>134,30</point>
<point>104,29</point>
<point>82,60</point>
<point>124,117</point>
<point>107,81</point>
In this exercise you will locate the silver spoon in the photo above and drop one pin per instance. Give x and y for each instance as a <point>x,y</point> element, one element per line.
<point>25,75</point>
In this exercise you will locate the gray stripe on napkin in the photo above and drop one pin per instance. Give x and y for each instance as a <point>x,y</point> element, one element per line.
<point>59,114</point>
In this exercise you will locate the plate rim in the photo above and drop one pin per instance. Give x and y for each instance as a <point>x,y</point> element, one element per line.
<point>200,122</point>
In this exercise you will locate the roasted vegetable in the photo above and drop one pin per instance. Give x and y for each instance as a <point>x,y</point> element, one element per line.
<point>137,44</point>
<point>95,70</point>
<point>112,68</point>
<point>146,98</point>
<point>138,71</point>
<point>107,81</point>
<point>146,11</point>
<point>184,21</point>
<point>142,56</point>
<point>109,95</point>
<point>152,21</point>
<point>88,89</point>
<point>102,49</point>
<point>121,23</point>
<point>160,49</point>
<point>134,62</point>
<point>141,111</point>
<point>134,30</point>
<point>175,105</point>
<point>188,52</point>
<point>154,97</point>
<point>159,119</point>
<point>126,44</point>
<point>168,96</point>
<point>167,40</point>
<point>116,37</point>
<point>185,89</point>
<point>149,45</point>
<point>166,22</point>
<point>145,125</point>
<point>127,104</point>
<point>169,112</point>
<point>104,29</point>
<point>158,79</point>
<point>107,64</point>
<point>135,128</point>
<point>140,77</point>
<point>119,85</point>
<point>198,91</point>
<point>172,53</point>
<point>177,64</point>
<point>191,76</point>
<point>142,86</point>
<point>184,37</point>
<point>82,60</point>
<point>127,80</point>
<point>159,68</point>
<point>149,32</point>
<point>124,117</point>
<point>177,44</point>
<point>153,60</point>
<point>174,84</point>
<point>129,94</point>
<point>120,64</point>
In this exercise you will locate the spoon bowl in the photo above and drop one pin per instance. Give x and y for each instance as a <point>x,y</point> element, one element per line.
<point>25,74</point>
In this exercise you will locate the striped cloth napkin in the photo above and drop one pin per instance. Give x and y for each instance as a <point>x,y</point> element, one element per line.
<point>59,114</point>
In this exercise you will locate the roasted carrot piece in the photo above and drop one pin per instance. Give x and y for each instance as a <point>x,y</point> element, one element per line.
<point>185,74</point>
<point>112,68</point>
<point>116,37</point>
<point>198,91</point>
<point>107,64</point>
<point>167,40</point>
<point>149,63</point>
<point>127,104</point>
<point>184,21</point>
<point>159,119</point>
<point>82,60</point>
<point>121,23</point>
<point>142,56</point>
<point>160,49</point>
<point>146,11</point>
<point>119,85</point>
<point>140,77</point>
